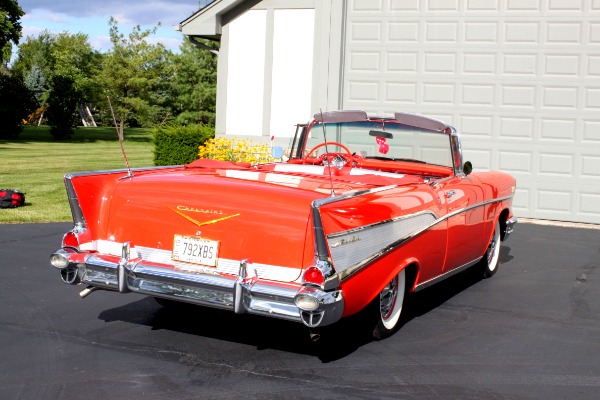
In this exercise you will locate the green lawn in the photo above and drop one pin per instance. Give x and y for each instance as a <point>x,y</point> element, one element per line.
<point>35,164</point>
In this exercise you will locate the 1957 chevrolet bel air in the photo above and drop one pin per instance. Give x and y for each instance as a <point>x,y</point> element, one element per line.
<point>362,211</point>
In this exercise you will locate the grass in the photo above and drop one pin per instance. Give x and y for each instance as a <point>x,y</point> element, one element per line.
<point>35,163</point>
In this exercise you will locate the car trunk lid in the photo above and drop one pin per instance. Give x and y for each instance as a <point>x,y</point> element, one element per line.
<point>263,217</point>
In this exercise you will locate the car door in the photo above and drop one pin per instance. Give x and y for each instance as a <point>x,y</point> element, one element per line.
<point>465,216</point>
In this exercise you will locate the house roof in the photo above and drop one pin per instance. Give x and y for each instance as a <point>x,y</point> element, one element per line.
<point>207,23</point>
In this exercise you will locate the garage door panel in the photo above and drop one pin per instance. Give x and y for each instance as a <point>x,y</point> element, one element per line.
<point>593,65</point>
<point>589,204</point>
<point>516,127</point>
<point>559,130</point>
<point>590,167</point>
<point>476,126</point>
<point>591,131</point>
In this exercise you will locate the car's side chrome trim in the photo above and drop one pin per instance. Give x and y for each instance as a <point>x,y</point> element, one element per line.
<point>117,171</point>
<point>348,195</point>
<point>349,270</point>
<point>445,275</point>
<point>376,224</point>
<point>349,249</point>
<point>392,246</point>
<point>473,206</point>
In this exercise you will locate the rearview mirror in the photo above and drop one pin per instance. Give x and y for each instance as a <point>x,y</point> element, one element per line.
<point>381,134</point>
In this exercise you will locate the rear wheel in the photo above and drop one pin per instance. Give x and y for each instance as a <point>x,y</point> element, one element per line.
<point>490,261</point>
<point>390,302</point>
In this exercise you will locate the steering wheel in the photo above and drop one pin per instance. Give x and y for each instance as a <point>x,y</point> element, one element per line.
<point>325,144</point>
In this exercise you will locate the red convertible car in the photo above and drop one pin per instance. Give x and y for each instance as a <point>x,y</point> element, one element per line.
<point>362,211</point>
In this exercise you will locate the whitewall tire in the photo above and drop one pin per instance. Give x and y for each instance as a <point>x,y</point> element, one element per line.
<point>390,302</point>
<point>491,259</point>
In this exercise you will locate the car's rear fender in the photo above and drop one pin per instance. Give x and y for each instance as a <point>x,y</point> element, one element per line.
<point>360,289</point>
<point>421,260</point>
<point>90,193</point>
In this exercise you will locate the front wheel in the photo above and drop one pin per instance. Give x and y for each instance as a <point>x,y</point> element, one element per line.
<point>390,302</point>
<point>489,263</point>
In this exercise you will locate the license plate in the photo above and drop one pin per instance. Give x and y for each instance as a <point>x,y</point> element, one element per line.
<point>195,250</point>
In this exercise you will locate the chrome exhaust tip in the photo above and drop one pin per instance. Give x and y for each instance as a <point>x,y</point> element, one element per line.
<point>314,335</point>
<point>87,291</point>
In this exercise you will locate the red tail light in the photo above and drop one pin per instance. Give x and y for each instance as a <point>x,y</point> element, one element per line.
<point>71,240</point>
<point>314,276</point>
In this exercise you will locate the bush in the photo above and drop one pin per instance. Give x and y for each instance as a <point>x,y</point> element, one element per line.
<point>176,145</point>
<point>16,103</point>
<point>63,100</point>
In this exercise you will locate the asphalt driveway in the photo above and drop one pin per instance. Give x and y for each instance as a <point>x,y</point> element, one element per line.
<point>530,332</point>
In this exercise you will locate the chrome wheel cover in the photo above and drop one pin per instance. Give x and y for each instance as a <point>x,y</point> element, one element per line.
<point>390,301</point>
<point>493,252</point>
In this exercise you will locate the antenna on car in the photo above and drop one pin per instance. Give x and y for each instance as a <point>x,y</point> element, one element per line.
<point>120,135</point>
<point>327,153</point>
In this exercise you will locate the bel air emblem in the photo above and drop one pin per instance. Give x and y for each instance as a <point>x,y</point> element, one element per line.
<point>345,241</point>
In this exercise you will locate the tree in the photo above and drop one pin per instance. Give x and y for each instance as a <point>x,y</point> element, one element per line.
<point>195,83</point>
<point>35,81</point>
<point>73,56</point>
<point>10,27</point>
<point>42,57</point>
<point>16,103</point>
<point>35,52</point>
<point>135,76</point>
<point>63,100</point>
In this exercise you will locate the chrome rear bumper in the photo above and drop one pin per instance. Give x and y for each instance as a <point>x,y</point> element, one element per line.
<point>241,293</point>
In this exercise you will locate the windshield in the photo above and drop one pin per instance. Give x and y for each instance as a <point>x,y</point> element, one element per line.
<point>379,140</point>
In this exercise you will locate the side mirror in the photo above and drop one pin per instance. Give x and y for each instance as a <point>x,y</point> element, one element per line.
<point>468,168</point>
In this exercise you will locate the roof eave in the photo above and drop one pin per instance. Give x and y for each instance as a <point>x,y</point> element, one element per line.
<point>207,23</point>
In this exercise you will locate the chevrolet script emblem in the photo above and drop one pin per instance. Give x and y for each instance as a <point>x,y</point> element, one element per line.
<point>202,211</point>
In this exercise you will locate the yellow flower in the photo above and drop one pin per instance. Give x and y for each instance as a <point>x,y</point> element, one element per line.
<point>226,149</point>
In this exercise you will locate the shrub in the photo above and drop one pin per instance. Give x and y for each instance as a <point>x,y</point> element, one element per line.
<point>63,100</point>
<point>176,145</point>
<point>16,103</point>
<point>196,117</point>
<point>226,149</point>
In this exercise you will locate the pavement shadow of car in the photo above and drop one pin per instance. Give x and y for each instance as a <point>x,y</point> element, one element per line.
<point>337,341</point>
<point>428,299</point>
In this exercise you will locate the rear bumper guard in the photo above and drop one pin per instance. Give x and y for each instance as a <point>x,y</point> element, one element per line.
<point>510,226</point>
<point>241,293</point>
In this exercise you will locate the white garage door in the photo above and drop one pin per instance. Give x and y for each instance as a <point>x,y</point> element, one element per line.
<point>519,78</point>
